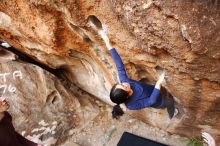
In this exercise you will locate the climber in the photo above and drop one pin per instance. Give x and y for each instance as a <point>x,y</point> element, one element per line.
<point>134,94</point>
<point>8,135</point>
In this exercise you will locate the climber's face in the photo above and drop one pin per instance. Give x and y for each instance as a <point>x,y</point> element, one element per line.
<point>3,106</point>
<point>125,86</point>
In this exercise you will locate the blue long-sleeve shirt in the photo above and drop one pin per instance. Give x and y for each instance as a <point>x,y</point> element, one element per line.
<point>144,95</point>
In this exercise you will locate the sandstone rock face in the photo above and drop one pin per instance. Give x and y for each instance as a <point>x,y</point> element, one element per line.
<point>41,106</point>
<point>182,37</point>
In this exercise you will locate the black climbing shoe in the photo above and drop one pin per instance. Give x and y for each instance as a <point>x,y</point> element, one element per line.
<point>170,106</point>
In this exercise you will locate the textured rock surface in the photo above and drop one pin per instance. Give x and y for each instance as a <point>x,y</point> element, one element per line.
<point>42,108</point>
<point>182,37</point>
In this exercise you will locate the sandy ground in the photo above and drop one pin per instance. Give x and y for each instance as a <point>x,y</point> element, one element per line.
<point>105,131</point>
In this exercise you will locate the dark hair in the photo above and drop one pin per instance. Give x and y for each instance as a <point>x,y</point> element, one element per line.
<point>117,111</point>
<point>118,96</point>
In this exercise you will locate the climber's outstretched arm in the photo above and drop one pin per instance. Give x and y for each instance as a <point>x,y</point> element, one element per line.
<point>117,59</point>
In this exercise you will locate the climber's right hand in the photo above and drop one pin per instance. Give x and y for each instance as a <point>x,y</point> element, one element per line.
<point>160,81</point>
<point>161,78</point>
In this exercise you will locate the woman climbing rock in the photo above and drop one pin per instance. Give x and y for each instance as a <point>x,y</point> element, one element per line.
<point>134,94</point>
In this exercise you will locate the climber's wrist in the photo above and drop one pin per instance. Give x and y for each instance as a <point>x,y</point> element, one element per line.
<point>109,46</point>
<point>158,85</point>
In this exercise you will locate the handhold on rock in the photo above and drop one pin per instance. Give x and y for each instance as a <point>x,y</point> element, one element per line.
<point>93,21</point>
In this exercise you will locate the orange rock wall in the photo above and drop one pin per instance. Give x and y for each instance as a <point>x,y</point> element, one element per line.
<point>182,37</point>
